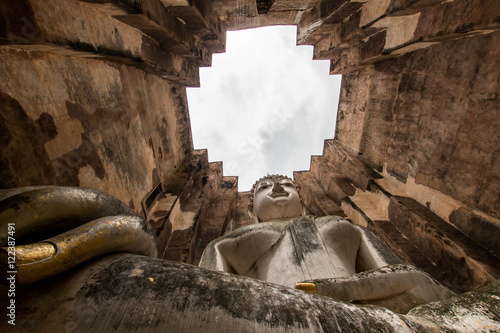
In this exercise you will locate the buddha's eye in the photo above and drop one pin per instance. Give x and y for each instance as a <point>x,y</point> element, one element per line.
<point>263,186</point>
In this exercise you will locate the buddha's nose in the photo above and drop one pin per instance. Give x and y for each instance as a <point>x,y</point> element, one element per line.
<point>278,190</point>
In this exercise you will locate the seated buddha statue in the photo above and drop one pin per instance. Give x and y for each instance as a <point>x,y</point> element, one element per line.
<point>326,255</point>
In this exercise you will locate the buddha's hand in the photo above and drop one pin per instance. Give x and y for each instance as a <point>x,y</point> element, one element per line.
<point>57,228</point>
<point>398,287</point>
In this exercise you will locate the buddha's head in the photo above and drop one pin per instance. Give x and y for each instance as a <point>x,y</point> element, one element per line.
<point>275,197</point>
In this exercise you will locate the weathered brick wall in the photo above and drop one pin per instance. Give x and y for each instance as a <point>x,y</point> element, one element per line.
<point>93,92</point>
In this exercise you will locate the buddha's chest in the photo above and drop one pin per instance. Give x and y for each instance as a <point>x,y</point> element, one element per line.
<point>307,251</point>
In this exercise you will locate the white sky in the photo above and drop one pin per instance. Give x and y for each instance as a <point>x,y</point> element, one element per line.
<point>264,106</point>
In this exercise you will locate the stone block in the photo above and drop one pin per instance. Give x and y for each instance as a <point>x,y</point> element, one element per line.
<point>201,20</point>
<point>177,31</point>
<point>314,196</point>
<point>345,60</point>
<point>292,5</point>
<point>345,160</point>
<point>184,215</point>
<point>318,22</point>
<point>241,216</point>
<point>17,24</point>
<point>406,250</point>
<point>467,265</point>
<point>355,213</point>
<point>483,230</point>
<point>217,212</point>
<point>205,207</point>
<point>340,37</point>
<point>334,184</point>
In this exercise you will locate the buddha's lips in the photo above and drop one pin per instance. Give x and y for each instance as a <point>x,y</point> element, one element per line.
<point>279,194</point>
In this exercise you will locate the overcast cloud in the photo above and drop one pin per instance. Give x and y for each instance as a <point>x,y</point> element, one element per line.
<point>264,106</point>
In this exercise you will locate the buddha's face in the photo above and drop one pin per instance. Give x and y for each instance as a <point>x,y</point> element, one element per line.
<point>276,199</point>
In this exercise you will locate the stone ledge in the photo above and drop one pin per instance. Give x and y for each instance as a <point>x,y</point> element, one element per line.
<point>406,250</point>
<point>201,20</point>
<point>482,230</point>
<point>333,182</point>
<point>315,197</point>
<point>357,41</point>
<point>467,265</point>
<point>345,160</point>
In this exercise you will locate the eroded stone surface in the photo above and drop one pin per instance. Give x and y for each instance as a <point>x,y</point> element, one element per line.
<point>115,109</point>
<point>158,295</point>
<point>421,122</point>
<point>106,106</point>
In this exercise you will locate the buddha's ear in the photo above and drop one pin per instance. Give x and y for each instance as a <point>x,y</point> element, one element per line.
<point>252,214</point>
<point>304,211</point>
